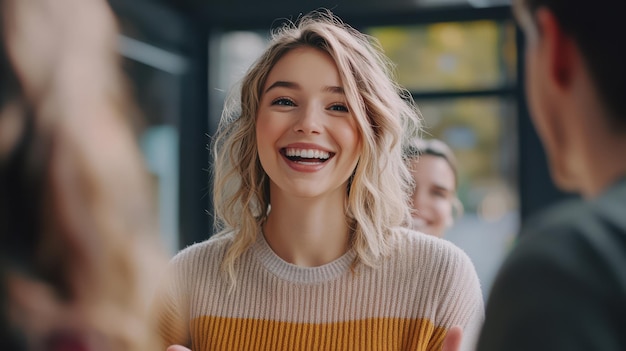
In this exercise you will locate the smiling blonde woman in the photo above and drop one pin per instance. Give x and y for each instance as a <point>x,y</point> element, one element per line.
<point>311,202</point>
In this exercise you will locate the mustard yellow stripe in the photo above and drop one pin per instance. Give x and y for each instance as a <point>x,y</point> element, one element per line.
<point>226,334</point>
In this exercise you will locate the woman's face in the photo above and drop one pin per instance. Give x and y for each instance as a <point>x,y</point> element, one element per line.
<point>433,196</point>
<point>307,137</point>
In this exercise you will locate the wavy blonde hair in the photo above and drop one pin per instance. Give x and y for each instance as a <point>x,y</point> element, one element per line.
<point>385,114</point>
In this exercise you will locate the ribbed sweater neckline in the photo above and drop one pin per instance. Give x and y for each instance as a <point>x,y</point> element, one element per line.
<point>298,274</point>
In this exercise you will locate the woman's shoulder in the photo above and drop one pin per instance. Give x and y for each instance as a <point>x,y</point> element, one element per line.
<point>428,250</point>
<point>213,247</point>
<point>437,263</point>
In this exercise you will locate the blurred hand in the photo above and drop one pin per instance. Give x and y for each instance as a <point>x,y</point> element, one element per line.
<point>452,341</point>
<point>41,36</point>
<point>177,348</point>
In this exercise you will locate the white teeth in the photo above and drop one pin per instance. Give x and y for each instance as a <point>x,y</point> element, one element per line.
<point>307,153</point>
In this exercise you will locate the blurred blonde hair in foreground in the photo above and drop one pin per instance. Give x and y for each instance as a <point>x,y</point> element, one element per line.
<point>79,255</point>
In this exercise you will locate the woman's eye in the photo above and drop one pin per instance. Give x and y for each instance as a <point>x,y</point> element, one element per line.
<point>339,107</point>
<point>283,102</point>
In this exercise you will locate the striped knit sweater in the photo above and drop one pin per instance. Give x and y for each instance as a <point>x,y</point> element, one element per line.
<point>407,302</point>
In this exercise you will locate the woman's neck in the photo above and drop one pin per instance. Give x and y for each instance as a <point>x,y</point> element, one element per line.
<point>307,232</point>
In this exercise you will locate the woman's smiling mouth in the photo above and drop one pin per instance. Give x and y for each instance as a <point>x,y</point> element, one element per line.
<point>306,156</point>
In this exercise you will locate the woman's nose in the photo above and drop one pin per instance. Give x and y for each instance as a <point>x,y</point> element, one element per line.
<point>309,120</point>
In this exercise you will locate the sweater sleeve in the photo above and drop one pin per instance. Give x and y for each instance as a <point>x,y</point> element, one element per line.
<point>172,306</point>
<point>462,302</point>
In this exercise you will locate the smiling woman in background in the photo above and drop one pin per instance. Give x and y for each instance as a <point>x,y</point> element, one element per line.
<point>434,200</point>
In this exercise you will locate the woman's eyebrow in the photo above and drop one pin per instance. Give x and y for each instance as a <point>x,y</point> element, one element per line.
<point>284,84</point>
<point>335,90</point>
<point>296,86</point>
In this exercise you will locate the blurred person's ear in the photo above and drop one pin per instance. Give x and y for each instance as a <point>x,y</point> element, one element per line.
<point>552,66</point>
<point>12,125</point>
<point>12,114</point>
<point>560,52</point>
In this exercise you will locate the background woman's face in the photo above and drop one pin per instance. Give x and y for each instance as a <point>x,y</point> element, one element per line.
<point>433,195</point>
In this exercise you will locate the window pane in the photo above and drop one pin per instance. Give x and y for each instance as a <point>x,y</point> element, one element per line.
<point>482,134</point>
<point>451,55</point>
<point>474,3</point>
<point>157,94</point>
<point>155,75</point>
<point>231,55</point>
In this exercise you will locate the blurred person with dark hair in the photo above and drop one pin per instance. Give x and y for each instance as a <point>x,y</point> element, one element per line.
<point>564,286</point>
<point>78,249</point>
<point>434,198</point>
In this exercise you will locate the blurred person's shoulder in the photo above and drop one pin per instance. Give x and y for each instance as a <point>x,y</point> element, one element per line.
<point>585,237</point>
<point>599,219</point>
